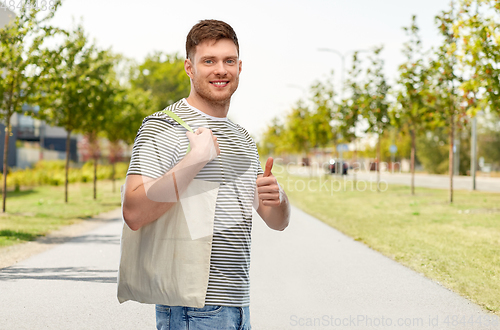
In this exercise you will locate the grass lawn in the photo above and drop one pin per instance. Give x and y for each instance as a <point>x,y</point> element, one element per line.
<point>35,212</point>
<point>457,245</point>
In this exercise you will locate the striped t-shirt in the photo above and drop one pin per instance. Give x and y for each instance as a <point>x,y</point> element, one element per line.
<point>161,143</point>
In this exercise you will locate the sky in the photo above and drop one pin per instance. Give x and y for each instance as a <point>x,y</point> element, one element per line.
<point>279,40</point>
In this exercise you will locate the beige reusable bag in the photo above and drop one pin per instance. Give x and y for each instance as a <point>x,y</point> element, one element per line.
<point>167,262</point>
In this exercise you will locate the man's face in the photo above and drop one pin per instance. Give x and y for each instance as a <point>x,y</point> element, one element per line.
<point>214,70</point>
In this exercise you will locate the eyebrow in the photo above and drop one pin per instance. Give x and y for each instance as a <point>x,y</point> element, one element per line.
<point>231,57</point>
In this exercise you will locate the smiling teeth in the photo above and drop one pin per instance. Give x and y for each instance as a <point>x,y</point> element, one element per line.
<point>220,83</point>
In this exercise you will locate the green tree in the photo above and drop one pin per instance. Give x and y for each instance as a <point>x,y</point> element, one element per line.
<point>411,111</point>
<point>445,79</point>
<point>273,139</point>
<point>298,124</point>
<point>348,115</point>
<point>129,108</point>
<point>68,88</point>
<point>163,76</point>
<point>478,27</point>
<point>433,150</point>
<point>376,105</point>
<point>102,90</point>
<point>434,153</point>
<point>320,129</point>
<point>21,63</point>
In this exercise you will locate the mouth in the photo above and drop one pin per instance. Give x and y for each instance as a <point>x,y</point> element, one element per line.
<point>219,83</point>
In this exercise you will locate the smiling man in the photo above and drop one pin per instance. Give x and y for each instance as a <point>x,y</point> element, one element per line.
<point>161,169</point>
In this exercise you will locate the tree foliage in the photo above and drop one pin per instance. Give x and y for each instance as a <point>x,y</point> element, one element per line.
<point>320,129</point>
<point>163,76</point>
<point>76,91</point>
<point>348,114</point>
<point>411,112</point>
<point>477,27</point>
<point>21,64</point>
<point>306,126</point>
<point>376,104</point>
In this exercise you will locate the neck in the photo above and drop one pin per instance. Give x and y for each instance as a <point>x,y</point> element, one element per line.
<point>212,108</point>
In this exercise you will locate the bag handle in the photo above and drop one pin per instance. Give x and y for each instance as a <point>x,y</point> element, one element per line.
<point>181,122</point>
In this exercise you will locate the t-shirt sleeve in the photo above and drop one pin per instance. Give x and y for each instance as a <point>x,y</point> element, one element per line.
<point>255,153</point>
<point>257,159</point>
<point>156,148</point>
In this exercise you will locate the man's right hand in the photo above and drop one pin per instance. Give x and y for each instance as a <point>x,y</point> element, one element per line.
<point>146,199</point>
<point>203,144</point>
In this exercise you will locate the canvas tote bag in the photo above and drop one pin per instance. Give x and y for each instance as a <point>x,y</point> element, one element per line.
<point>167,262</point>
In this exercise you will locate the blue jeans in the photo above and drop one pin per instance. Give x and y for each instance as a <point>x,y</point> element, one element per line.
<point>208,317</point>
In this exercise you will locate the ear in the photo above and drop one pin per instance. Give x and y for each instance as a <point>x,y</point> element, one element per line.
<point>240,67</point>
<point>188,67</point>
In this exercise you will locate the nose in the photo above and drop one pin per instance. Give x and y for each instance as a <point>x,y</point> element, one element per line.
<point>220,69</point>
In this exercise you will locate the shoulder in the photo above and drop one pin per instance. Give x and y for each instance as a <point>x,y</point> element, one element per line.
<point>244,132</point>
<point>159,121</point>
<point>162,117</point>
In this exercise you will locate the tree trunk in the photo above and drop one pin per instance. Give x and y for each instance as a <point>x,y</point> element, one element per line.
<point>355,159</point>
<point>113,157</point>
<point>95,176</point>
<point>451,156</point>
<point>412,161</point>
<point>378,162</point>
<point>473,152</point>
<point>5,167</point>
<point>113,175</point>
<point>68,139</point>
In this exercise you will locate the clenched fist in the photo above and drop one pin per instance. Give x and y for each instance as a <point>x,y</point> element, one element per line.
<point>204,144</point>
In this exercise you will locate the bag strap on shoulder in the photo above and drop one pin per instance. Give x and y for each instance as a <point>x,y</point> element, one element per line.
<point>181,122</point>
<point>178,119</point>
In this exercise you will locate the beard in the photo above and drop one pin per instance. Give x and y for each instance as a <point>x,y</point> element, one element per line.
<point>222,98</point>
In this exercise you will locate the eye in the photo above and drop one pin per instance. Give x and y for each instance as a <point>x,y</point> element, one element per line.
<point>230,61</point>
<point>209,62</point>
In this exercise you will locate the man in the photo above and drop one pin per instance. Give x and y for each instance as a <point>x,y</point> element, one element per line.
<point>221,151</point>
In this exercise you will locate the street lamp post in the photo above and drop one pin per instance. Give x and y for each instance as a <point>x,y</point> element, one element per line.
<point>342,70</point>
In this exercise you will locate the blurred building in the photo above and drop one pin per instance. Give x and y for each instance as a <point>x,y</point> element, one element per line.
<point>36,140</point>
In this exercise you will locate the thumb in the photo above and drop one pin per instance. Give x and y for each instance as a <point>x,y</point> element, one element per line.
<point>269,166</point>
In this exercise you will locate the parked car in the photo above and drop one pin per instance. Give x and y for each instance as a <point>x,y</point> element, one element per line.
<point>334,165</point>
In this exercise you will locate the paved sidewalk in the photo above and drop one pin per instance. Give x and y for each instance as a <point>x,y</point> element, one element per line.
<point>312,274</point>
<point>71,286</point>
<point>307,277</point>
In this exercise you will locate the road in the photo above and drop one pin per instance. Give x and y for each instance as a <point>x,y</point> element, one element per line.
<point>309,276</point>
<point>490,184</point>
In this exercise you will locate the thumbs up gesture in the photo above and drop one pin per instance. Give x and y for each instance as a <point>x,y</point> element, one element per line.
<point>267,186</point>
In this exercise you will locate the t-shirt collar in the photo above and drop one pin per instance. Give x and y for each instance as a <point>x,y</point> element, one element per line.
<point>201,112</point>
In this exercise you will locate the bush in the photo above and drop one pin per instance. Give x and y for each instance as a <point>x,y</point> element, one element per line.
<point>52,172</point>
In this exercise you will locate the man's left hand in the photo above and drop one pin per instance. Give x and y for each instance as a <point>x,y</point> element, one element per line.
<point>267,186</point>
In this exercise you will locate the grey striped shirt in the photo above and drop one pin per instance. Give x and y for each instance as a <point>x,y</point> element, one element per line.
<point>161,143</point>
